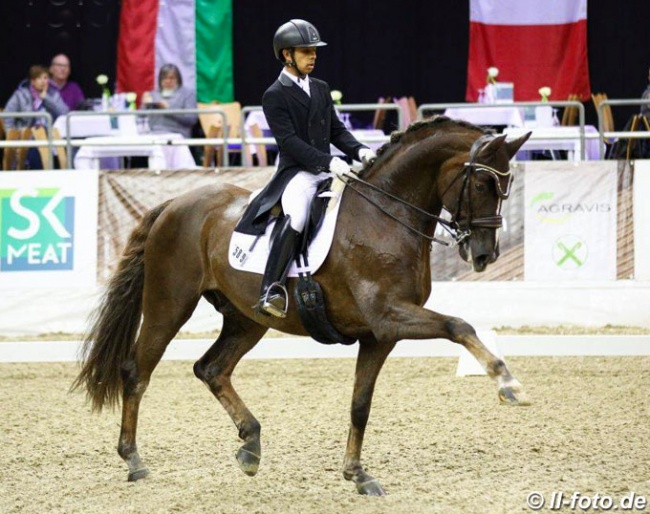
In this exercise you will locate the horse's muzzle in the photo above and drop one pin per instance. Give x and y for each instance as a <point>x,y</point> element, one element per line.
<point>476,253</point>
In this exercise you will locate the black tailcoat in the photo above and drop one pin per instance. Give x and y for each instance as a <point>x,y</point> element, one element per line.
<point>303,127</point>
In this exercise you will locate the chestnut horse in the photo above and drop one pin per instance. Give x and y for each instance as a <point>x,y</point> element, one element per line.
<point>375,279</point>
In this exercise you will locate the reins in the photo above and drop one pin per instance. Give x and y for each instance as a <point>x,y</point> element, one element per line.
<point>446,224</point>
<point>459,231</point>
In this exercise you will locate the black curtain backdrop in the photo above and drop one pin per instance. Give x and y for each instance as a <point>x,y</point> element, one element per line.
<point>375,48</point>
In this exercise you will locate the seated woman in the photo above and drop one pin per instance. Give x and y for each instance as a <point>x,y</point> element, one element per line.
<point>171,95</point>
<point>34,95</point>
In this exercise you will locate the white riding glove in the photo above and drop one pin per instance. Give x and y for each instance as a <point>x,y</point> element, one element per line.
<point>367,156</point>
<point>339,167</point>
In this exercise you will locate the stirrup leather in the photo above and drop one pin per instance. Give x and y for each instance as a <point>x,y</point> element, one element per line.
<point>270,300</point>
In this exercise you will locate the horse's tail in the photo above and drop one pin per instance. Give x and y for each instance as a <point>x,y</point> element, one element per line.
<point>115,322</point>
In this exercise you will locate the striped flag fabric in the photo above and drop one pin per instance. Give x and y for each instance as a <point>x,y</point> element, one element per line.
<point>195,35</point>
<point>533,44</point>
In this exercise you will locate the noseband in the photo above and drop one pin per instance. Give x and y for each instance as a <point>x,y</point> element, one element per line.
<point>458,228</point>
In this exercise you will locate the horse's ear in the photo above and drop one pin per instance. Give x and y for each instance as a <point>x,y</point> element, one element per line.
<point>493,146</point>
<point>514,145</point>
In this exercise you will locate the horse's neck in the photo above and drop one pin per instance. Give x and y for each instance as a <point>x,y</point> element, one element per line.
<point>412,172</point>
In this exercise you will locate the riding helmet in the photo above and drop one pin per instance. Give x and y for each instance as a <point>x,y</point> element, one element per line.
<point>295,33</point>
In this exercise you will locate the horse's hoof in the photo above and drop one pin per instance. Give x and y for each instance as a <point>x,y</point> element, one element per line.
<point>139,474</point>
<point>371,488</point>
<point>513,396</point>
<point>248,462</point>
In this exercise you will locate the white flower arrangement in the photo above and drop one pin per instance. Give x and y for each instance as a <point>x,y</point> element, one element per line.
<point>102,80</point>
<point>131,98</point>
<point>545,93</point>
<point>337,96</point>
<point>492,74</point>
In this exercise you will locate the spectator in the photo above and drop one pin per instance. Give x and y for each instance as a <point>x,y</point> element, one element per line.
<point>171,95</point>
<point>34,95</point>
<point>60,73</point>
<point>645,108</point>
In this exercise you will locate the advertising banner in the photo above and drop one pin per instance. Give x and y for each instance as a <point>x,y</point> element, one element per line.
<point>48,228</point>
<point>570,222</point>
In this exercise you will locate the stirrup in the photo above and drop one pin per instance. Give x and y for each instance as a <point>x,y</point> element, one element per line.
<point>269,300</point>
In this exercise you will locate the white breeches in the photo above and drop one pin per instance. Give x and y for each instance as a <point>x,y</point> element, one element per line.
<point>298,195</point>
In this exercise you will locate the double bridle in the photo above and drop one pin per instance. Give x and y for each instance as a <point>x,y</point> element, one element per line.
<point>459,229</point>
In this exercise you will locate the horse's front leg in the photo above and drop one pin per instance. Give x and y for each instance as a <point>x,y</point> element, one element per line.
<point>370,360</point>
<point>414,322</point>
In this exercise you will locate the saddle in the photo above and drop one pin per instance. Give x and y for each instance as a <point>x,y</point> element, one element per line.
<point>308,294</point>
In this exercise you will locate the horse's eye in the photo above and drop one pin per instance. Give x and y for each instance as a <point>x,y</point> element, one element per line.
<point>480,187</point>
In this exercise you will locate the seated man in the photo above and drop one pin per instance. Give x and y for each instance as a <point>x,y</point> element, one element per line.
<point>60,73</point>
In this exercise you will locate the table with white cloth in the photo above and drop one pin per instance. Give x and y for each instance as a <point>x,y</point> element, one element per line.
<point>492,115</point>
<point>86,126</point>
<point>557,138</point>
<point>161,154</point>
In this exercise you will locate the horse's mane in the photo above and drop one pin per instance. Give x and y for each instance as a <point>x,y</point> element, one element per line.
<point>436,122</point>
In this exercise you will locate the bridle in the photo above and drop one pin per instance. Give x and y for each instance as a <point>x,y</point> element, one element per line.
<point>459,228</point>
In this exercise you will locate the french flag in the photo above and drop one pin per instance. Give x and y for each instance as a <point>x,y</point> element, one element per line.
<point>533,44</point>
<point>195,35</point>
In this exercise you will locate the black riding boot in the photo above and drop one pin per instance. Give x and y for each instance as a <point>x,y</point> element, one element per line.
<point>274,298</point>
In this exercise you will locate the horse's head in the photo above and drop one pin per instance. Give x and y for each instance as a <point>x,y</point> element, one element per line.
<point>474,195</point>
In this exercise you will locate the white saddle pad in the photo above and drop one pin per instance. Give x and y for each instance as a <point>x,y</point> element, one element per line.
<point>243,258</point>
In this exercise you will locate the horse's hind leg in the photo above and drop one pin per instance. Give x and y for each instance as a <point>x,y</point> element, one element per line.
<point>238,335</point>
<point>163,318</point>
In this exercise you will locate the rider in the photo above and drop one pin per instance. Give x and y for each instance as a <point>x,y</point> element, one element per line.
<point>300,113</point>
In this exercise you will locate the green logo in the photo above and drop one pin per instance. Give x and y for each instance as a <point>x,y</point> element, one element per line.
<point>570,252</point>
<point>36,230</point>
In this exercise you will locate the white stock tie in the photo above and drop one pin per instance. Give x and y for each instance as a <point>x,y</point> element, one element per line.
<point>304,85</point>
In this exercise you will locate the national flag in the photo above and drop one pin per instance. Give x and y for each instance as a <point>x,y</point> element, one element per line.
<point>533,44</point>
<point>195,35</point>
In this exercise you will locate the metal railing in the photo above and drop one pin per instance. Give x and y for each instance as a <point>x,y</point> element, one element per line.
<point>244,139</point>
<point>150,138</point>
<point>568,103</point>
<point>603,135</point>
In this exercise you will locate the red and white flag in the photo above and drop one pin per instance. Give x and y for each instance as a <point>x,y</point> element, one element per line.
<point>533,44</point>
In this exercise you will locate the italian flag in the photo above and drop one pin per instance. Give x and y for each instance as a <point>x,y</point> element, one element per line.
<point>533,44</point>
<point>195,35</point>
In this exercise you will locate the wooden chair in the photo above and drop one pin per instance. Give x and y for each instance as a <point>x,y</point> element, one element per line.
<point>570,114</point>
<point>41,134</point>
<point>408,108</point>
<point>3,136</point>
<point>260,149</point>
<point>608,119</point>
<point>61,151</point>
<point>212,125</point>
<point>14,158</point>
<point>380,114</point>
